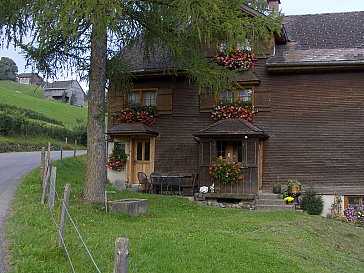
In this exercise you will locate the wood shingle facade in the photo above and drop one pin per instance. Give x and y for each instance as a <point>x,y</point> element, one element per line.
<point>309,99</point>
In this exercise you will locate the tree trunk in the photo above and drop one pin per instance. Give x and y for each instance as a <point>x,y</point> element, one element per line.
<point>95,179</point>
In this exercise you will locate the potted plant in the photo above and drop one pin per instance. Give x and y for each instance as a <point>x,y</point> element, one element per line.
<point>293,186</point>
<point>277,188</point>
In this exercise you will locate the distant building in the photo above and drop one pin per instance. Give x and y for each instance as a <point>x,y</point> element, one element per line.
<point>30,78</point>
<point>66,91</point>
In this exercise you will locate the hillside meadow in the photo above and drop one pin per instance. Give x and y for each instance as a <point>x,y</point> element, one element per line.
<point>175,235</point>
<point>30,97</point>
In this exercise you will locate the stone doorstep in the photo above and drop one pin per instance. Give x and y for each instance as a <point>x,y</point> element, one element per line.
<point>270,202</point>
<point>268,196</point>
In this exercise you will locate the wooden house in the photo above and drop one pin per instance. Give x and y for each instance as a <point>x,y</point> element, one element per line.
<point>309,101</point>
<point>66,91</point>
<point>30,78</point>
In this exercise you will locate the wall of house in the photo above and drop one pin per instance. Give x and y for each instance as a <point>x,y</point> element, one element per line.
<point>315,123</point>
<point>75,92</point>
<point>316,129</point>
<point>24,80</point>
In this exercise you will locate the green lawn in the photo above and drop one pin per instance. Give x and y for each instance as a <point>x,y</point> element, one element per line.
<point>29,97</point>
<point>176,235</point>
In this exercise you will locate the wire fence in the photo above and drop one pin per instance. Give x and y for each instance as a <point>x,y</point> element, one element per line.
<point>48,173</point>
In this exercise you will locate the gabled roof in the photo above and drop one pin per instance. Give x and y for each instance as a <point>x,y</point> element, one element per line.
<point>322,39</point>
<point>231,127</point>
<point>27,75</point>
<point>132,129</point>
<point>61,85</point>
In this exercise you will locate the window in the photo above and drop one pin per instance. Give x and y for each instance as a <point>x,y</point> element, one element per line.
<point>143,151</point>
<point>244,94</point>
<point>143,97</point>
<point>353,201</point>
<point>244,152</point>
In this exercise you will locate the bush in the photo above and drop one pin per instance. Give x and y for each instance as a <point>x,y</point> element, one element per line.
<point>312,202</point>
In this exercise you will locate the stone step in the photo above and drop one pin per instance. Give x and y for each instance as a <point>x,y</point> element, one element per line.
<point>270,201</point>
<point>275,207</point>
<point>268,196</point>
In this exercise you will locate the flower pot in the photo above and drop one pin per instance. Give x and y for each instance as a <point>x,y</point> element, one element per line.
<point>277,188</point>
<point>294,189</point>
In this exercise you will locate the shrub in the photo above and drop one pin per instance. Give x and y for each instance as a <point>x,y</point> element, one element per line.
<point>312,202</point>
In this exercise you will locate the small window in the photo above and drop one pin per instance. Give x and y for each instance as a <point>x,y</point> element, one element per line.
<point>134,97</point>
<point>206,154</point>
<point>147,151</point>
<point>353,201</point>
<point>227,96</point>
<point>221,148</point>
<point>245,94</point>
<point>140,151</point>
<point>149,98</point>
<point>142,97</point>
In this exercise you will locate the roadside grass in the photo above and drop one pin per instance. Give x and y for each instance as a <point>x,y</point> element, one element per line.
<point>23,96</point>
<point>175,235</point>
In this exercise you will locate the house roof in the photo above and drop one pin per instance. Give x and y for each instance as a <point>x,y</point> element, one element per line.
<point>232,127</point>
<point>132,129</point>
<point>61,85</point>
<point>27,75</point>
<point>322,39</point>
<point>159,60</point>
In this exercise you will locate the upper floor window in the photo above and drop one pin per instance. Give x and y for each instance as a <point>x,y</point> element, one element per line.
<point>143,97</point>
<point>244,94</point>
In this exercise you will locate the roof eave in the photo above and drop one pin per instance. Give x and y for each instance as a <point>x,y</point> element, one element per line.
<point>302,66</point>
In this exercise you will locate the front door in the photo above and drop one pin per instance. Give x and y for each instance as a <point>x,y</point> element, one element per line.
<point>143,157</point>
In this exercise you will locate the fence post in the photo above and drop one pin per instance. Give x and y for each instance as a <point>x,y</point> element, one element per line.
<point>45,183</point>
<point>121,255</point>
<point>74,151</point>
<point>42,156</point>
<point>61,152</point>
<point>62,224</point>
<point>49,152</point>
<point>52,187</point>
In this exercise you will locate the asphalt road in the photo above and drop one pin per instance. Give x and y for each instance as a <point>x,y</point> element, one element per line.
<point>13,167</point>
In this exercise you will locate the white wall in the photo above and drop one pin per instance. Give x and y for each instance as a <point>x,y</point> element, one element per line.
<point>329,200</point>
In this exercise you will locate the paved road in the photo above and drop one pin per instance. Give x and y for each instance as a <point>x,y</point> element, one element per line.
<point>13,167</point>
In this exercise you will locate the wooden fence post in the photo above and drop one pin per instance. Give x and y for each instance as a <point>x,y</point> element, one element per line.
<point>121,255</point>
<point>52,187</point>
<point>49,152</point>
<point>45,183</point>
<point>74,151</point>
<point>62,224</point>
<point>42,156</point>
<point>61,152</point>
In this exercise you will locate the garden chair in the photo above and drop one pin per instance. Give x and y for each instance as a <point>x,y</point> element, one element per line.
<point>174,183</point>
<point>157,182</point>
<point>143,180</point>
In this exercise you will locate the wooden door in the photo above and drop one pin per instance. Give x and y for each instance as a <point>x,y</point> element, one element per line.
<point>143,155</point>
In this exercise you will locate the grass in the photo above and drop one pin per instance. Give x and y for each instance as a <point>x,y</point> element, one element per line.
<point>176,235</point>
<point>23,96</point>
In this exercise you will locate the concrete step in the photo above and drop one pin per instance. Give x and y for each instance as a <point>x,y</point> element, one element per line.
<point>270,201</point>
<point>285,207</point>
<point>267,195</point>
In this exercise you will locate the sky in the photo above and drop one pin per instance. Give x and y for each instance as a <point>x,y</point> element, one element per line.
<point>288,7</point>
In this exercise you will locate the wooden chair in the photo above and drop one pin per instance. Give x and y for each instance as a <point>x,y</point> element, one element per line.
<point>143,180</point>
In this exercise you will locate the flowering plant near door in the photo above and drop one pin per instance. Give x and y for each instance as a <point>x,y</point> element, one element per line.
<point>226,170</point>
<point>117,159</point>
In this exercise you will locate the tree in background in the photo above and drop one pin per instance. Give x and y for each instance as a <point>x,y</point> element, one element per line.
<point>83,35</point>
<point>8,69</point>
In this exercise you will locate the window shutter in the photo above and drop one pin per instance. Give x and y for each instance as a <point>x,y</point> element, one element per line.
<point>207,102</point>
<point>164,101</point>
<point>262,101</point>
